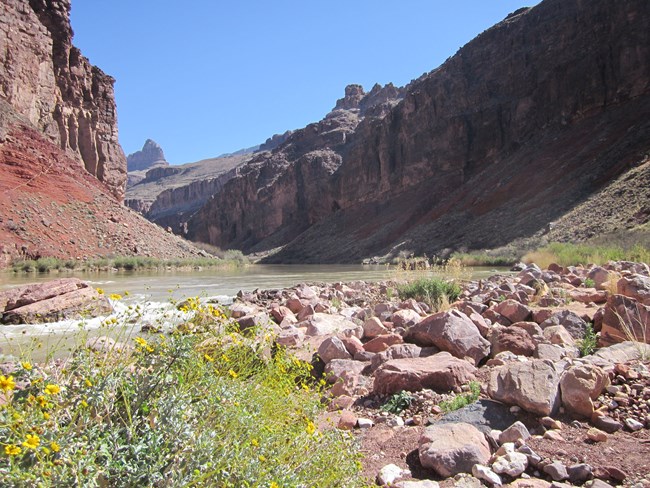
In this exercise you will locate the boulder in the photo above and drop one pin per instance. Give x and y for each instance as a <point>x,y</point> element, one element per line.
<point>635,286</point>
<point>333,348</point>
<point>450,449</point>
<point>513,339</point>
<point>571,321</point>
<point>599,275</point>
<point>580,385</point>
<point>441,372</point>
<point>406,318</point>
<point>513,310</point>
<point>625,319</point>
<point>66,298</point>
<point>335,369</point>
<point>323,324</point>
<point>281,313</point>
<point>557,334</point>
<point>533,386</point>
<point>383,342</point>
<point>373,328</point>
<point>450,331</point>
<point>398,351</point>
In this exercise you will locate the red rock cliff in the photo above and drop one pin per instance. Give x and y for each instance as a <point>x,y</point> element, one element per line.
<point>47,80</point>
<point>523,123</point>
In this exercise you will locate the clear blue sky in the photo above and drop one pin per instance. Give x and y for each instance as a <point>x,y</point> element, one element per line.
<point>205,77</point>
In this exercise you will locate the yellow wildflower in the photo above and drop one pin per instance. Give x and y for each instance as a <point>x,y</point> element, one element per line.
<point>115,296</point>
<point>12,450</point>
<point>100,291</point>
<point>141,342</point>
<point>255,443</point>
<point>126,293</point>
<point>88,383</point>
<point>84,403</point>
<point>7,383</point>
<point>41,401</point>
<point>232,373</point>
<point>55,447</point>
<point>52,389</point>
<point>311,428</point>
<point>26,365</point>
<point>46,416</point>
<point>32,441</point>
<point>261,458</point>
<point>208,358</point>
<point>274,485</point>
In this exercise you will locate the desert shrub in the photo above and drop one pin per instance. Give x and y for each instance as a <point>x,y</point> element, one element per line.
<point>433,291</point>
<point>589,342</point>
<point>195,409</point>
<point>566,254</point>
<point>464,399</point>
<point>398,402</point>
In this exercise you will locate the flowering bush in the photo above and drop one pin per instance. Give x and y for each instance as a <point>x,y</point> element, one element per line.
<point>207,408</point>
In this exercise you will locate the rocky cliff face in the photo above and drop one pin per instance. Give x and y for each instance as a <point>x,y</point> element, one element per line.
<point>150,155</point>
<point>517,128</point>
<point>47,80</point>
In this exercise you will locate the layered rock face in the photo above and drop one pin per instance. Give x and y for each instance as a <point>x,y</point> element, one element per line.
<point>149,156</point>
<point>47,80</point>
<point>512,132</point>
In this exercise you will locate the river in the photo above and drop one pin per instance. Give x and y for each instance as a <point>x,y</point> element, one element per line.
<point>153,290</point>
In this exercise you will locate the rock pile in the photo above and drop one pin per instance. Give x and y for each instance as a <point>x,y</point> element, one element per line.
<point>522,337</point>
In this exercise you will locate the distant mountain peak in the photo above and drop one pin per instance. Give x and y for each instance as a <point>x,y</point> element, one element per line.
<point>150,155</point>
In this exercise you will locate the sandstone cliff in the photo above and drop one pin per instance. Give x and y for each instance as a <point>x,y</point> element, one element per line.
<point>520,126</point>
<point>47,80</point>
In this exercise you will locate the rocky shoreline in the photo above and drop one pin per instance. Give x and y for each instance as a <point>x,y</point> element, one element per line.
<point>519,337</point>
<point>550,412</point>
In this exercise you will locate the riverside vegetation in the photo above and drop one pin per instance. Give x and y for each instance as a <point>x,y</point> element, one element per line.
<point>214,408</point>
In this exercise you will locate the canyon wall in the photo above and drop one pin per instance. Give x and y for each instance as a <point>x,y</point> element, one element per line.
<point>521,125</point>
<point>47,80</point>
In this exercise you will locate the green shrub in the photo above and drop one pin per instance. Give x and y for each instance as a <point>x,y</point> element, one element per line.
<point>433,291</point>
<point>566,254</point>
<point>589,342</point>
<point>460,401</point>
<point>210,409</point>
<point>398,402</point>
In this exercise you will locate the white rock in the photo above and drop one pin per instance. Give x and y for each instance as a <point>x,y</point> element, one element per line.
<point>486,474</point>
<point>391,472</point>
<point>633,425</point>
<point>395,422</point>
<point>512,464</point>
<point>365,423</point>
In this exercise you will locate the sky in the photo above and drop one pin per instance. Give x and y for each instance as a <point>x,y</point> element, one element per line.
<point>207,77</point>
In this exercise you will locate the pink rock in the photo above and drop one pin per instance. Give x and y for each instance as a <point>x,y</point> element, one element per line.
<point>580,385</point>
<point>513,339</point>
<point>353,344</point>
<point>450,331</point>
<point>373,327</point>
<point>453,448</point>
<point>542,314</point>
<point>307,311</point>
<point>295,305</point>
<point>513,310</point>
<point>347,420</point>
<point>383,342</point>
<point>441,372</point>
<point>406,318</point>
<point>280,313</point>
<point>333,348</point>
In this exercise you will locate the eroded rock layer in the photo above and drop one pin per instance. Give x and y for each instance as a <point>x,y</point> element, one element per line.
<point>515,130</point>
<point>47,80</point>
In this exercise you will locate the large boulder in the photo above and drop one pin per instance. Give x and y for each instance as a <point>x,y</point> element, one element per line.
<point>625,319</point>
<point>453,332</point>
<point>441,372</point>
<point>635,286</point>
<point>450,449</point>
<point>323,324</point>
<point>513,310</point>
<point>333,348</point>
<point>580,385</point>
<point>514,339</point>
<point>533,385</point>
<point>406,318</point>
<point>55,300</point>
<point>571,321</point>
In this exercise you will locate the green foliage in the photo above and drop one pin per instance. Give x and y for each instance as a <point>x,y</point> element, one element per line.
<point>589,342</point>
<point>486,259</point>
<point>566,254</point>
<point>127,263</point>
<point>433,291</point>
<point>589,283</point>
<point>187,409</point>
<point>460,401</point>
<point>398,402</point>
